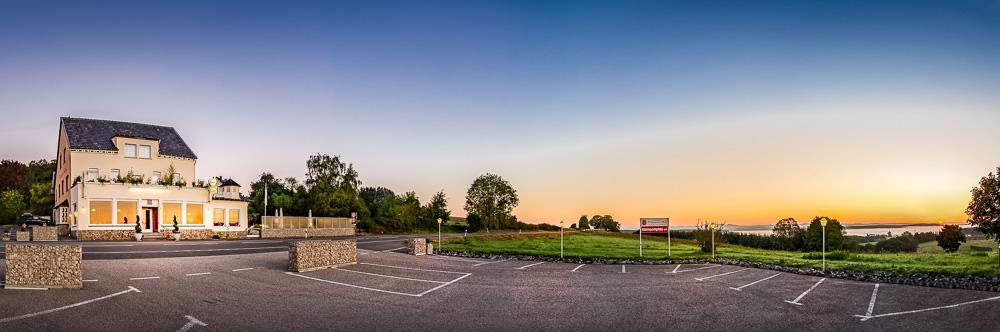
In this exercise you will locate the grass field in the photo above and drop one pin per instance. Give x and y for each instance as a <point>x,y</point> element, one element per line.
<point>932,247</point>
<point>626,246</point>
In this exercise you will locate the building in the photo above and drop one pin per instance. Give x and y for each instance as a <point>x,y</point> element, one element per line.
<point>111,174</point>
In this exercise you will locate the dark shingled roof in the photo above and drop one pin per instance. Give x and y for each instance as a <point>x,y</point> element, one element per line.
<point>226,182</point>
<point>92,134</point>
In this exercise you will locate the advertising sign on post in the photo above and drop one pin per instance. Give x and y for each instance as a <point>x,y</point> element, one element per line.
<point>654,225</point>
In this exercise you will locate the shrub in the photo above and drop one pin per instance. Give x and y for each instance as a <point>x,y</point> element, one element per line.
<point>704,238</point>
<point>950,238</point>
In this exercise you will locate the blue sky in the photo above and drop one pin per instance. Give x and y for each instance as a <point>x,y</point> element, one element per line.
<point>776,108</point>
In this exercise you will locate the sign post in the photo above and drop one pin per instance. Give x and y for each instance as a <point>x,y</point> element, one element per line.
<point>654,225</point>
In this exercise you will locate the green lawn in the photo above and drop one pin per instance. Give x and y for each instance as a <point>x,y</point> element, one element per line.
<point>626,246</point>
<point>932,246</point>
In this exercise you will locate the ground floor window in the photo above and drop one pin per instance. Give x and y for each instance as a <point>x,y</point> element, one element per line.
<point>234,217</point>
<point>195,214</point>
<point>172,212</point>
<point>127,211</point>
<point>218,217</point>
<point>100,212</point>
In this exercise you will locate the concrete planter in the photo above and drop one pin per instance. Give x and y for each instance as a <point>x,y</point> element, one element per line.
<point>177,236</point>
<point>138,237</point>
<point>23,236</point>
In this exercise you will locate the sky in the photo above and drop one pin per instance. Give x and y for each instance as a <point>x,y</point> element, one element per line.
<point>741,112</point>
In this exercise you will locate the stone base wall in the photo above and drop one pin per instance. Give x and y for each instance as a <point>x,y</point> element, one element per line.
<point>231,234</point>
<point>22,236</point>
<point>282,233</point>
<point>43,233</point>
<point>44,265</point>
<point>189,234</point>
<point>105,235</point>
<point>416,247</point>
<point>321,254</point>
<point>329,232</point>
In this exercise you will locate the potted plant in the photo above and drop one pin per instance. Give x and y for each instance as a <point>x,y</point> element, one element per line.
<point>177,230</point>
<point>138,229</point>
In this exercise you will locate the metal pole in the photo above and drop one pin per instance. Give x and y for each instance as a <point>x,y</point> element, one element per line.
<point>560,239</point>
<point>640,240</point>
<point>668,239</point>
<point>824,248</point>
<point>713,242</point>
<point>439,235</point>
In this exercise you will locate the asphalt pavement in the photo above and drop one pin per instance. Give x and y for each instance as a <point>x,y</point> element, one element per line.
<point>389,290</point>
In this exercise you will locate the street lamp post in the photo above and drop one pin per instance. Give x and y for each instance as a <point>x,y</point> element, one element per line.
<point>560,239</point>
<point>712,226</point>
<point>822,222</point>
<point>439,233</point>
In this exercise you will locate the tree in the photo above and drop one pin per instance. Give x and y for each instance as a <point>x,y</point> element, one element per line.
<point>492,199</point>
<point>13,176</point>
<point>583,223</point>
<point>42,201</point>
<point>475,223</point>
<point>11,206</point>
<point>332,187</point>
<point>950,238</point>
<point>834,235</point>
<point>788,231</point>
<point>437,208</point>
<point>984,208</point>
<point>605,222</point>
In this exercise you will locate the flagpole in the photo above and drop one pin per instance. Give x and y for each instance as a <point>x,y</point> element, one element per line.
<point>265,206</point>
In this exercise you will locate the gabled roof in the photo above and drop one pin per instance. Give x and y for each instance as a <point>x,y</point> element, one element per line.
<point>227,182</point>
<point>93,134</point>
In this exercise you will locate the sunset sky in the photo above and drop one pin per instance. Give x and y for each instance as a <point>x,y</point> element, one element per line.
<point>864,111</point>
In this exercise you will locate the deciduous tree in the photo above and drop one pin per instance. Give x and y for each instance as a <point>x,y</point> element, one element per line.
<point>492,199</point>
<point>984,208</point>
<point>950,238</point>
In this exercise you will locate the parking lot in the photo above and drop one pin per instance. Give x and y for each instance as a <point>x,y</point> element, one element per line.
<point>391,290</point>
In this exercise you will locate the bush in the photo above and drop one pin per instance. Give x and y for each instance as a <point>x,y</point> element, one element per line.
<point>704,238</point>
<point>950,238</point>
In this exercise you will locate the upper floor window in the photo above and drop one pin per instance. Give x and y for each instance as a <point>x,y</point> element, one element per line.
<point>92,175</point>
<point>115,174</point>
<point>145,152</point>
<point>156,178</point>
<point>177,178</point>
<point>129,150</point>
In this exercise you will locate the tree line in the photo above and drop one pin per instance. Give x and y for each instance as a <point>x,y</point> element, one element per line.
<point>25,188</point>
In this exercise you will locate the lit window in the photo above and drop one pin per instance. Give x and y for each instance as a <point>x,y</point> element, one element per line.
<point>234,217</point>
<point>195,214</point>
<point>115,174</point>
<point>92,175</point>
<point>126,209</point>
<point>156,178</point>
<point>145,152</point>
<point>100,212</point>
<point>177,178</point>
<point>129,150</point>
<point>171,212</point>
<point>219,217</point>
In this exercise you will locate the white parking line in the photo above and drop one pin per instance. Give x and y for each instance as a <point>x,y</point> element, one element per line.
<point>446,258</point>
<point>490,262</point>
<point>578,267</point>
<point>719,275</point>
<point>695,269</point>
<point>796,300</point>
<point>871,304</point>
<point>676,268</point>
<point>394,249</point>
<point>25,288</point>
<point>197,274</point>
<point>530,265</point>
<point>623,268</point>
<point>143,278</point>
<point>350,285</point>
<point>10,319</point>
<point>867,317</point>
<point>411,268</point>
<point>389,276</point>
<point>243,269</point>
<point>90,280</point>
<point>444,284</point>
<point>191,323</point>
<point>753,283</point>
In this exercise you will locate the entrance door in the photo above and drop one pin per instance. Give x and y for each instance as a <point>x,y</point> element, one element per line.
<point>152,219</point>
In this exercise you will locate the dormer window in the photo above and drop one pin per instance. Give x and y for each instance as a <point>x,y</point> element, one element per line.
<point>145,152</point>
<point>129,150</point>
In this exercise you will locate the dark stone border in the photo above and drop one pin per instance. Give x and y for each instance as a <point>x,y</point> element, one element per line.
<point>913,279</point>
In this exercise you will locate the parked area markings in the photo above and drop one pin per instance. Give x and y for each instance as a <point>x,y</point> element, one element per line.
<point>143,278</point>
<point>530,265</point>
<point>437,287</point>
<point>191,323</point>
<point>719,275</point>
<point>754,283</point>
<point>799,298</point>
<point>578,267</point>
<point>243,269</point>
<point>10,319</point>
<point>197,274</point>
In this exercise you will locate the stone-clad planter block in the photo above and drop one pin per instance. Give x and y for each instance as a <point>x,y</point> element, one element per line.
<point>44,265</point>
<point>106,235</point>
<point>312,255</point>
<point>231,234</point>
<point>43,233</point>
<point>329,232</point>
<point>23,236</point>
<point>280,233</point>
<point>417,247</point>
